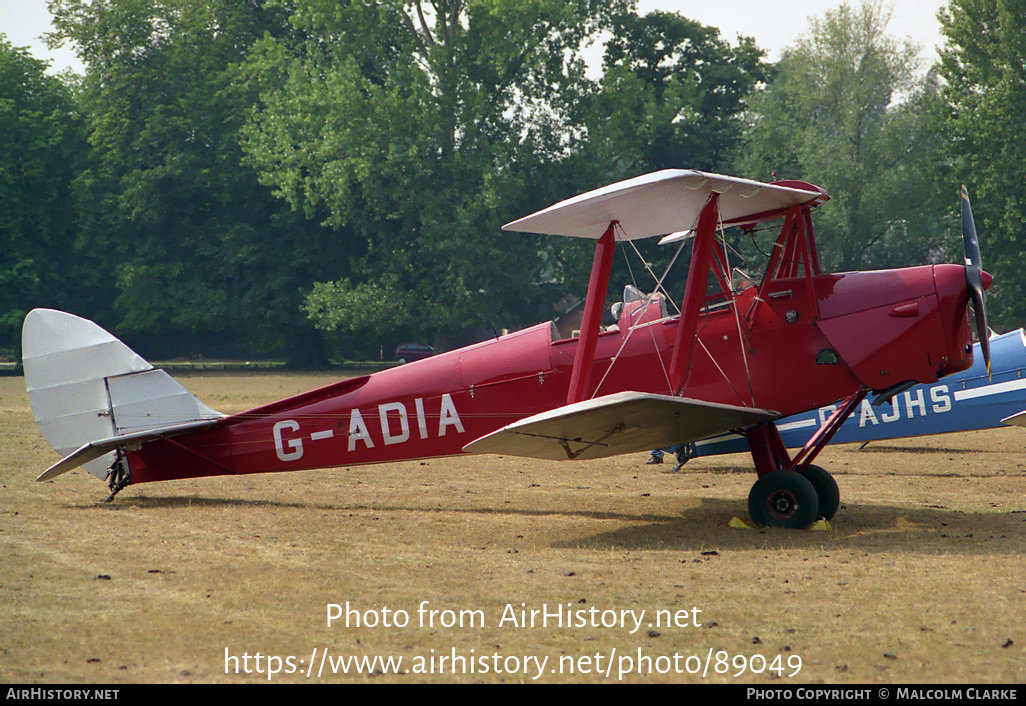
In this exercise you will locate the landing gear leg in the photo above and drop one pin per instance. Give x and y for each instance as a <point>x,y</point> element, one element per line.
<point>117,477</point>
<point>777,499</point>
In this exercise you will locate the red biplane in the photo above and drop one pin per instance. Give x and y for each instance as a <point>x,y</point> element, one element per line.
<point>738,356</point>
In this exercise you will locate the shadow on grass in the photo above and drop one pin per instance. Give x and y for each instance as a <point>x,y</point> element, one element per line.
<point>932,529</point>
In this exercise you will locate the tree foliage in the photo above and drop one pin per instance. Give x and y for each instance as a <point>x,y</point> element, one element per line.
<point>343,306</point>
<point>41,142</point>
<point>420,128</point>
<point>984,69</point>
<point>671,95</point>
<point>197,246</point>
<point>848,111</point>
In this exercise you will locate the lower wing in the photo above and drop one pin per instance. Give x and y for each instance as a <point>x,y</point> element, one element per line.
<point>621,423</point>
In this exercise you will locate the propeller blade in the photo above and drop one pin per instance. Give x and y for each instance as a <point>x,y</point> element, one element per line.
<point>973,277</point>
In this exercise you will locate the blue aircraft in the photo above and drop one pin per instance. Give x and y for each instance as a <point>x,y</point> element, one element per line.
<point>962,402</point>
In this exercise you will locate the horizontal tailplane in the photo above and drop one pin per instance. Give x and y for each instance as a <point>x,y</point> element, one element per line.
<point>91,394</point>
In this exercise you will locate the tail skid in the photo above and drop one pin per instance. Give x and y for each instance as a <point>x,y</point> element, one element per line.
<point>92,395</point>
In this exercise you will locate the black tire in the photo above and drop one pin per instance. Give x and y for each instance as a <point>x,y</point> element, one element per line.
<point>826,490</point>
<point>783,499</point>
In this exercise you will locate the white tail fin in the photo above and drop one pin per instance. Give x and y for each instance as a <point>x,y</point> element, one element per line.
<point>86,386</point>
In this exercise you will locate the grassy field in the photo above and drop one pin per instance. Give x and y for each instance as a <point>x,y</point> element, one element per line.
<point>443,564</point>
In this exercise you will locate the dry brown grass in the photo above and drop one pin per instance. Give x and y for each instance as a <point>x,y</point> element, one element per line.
<point>921,579</point>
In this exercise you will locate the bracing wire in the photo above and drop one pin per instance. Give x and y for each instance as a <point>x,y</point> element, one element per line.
<point>737,315</point>
<point>641,310</point>
<point>658,289</point>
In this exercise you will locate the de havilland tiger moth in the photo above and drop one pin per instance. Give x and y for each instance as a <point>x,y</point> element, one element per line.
<point>738,356</point>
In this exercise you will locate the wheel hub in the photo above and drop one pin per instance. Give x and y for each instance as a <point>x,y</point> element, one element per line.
<point>783,504</point>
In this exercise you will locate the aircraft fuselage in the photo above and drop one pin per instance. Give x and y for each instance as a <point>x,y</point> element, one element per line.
<point>800,350</point>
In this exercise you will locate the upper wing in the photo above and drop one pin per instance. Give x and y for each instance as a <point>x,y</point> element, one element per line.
<point>663,202</point>
<point>616,424</point>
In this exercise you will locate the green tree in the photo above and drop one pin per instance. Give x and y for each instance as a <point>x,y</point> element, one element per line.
<point>421,127</point>
<point>41,145</point>
<point>848,111</point>
<point>984,69</point>
<point>198,248</point>
<point>671,95</point>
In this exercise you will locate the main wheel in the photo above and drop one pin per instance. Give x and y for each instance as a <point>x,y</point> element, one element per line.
<point>826,490</point>
<point>783,499</point>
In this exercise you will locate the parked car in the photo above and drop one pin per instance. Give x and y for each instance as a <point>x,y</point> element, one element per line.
<point>409,352</point>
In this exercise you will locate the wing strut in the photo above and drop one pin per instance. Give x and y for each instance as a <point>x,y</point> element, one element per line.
<point>694,292</point>
<point>594,305</point>
<point>794,250</point>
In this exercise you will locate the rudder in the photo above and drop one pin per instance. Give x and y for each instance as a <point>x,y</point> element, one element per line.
<point>85,385</point>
